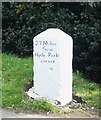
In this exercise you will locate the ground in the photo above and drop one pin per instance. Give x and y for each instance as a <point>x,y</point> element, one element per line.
<point>10,113</point>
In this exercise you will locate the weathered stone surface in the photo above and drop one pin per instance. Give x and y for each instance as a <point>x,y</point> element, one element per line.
<point>53,65</point>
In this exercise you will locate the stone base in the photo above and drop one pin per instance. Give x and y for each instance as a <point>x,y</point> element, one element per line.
<point>35,96</point>
<point>74,104</point>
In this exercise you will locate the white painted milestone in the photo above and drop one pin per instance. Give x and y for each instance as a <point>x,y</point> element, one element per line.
<point>53,51</point>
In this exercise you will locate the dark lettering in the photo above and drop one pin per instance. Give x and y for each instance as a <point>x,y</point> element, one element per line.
<point>45,42</point>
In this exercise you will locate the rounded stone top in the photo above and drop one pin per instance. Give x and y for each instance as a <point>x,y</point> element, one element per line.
<point>54,33</point>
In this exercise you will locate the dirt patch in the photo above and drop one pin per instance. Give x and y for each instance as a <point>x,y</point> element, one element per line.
<point>28,85</point>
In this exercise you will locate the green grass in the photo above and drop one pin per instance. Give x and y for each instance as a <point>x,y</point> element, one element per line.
<point>18,71</point>
<point>88,90</point>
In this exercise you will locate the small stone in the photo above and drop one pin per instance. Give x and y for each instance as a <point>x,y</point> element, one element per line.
<point>92,108</point>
